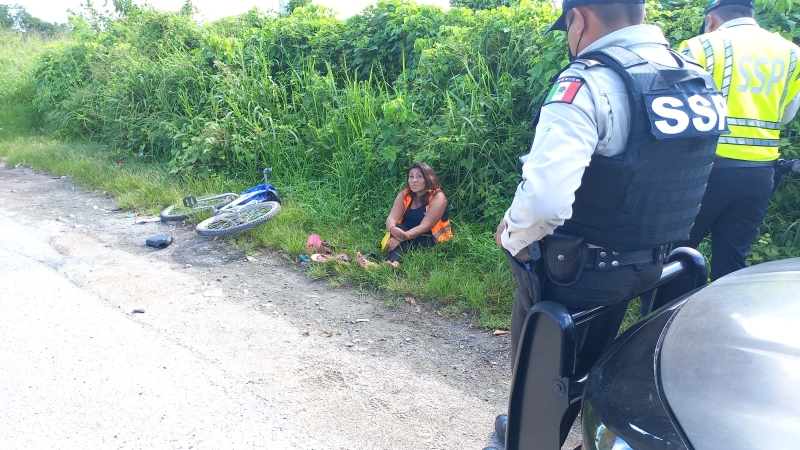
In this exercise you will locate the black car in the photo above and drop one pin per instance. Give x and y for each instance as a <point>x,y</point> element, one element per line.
<point>717,367</point>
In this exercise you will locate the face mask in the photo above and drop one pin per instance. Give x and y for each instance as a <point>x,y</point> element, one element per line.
<point>571,56</point>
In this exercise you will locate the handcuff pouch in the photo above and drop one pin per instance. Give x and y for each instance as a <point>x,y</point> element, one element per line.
<point>565,255</point>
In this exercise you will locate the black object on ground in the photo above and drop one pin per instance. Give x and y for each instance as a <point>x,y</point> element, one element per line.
<point>160,240</point>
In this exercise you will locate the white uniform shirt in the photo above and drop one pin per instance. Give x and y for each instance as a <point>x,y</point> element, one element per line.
<point>790,109</point>
<point>568,134</point>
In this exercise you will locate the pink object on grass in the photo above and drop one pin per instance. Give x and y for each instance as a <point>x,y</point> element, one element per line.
<point>314,243</point>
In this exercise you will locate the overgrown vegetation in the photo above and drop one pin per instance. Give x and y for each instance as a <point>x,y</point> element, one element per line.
<point>17,87</point>
<point>338,109</point>
<point>481,4</point>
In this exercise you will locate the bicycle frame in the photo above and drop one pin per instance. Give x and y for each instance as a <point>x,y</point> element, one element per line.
<point>237,204</point>
<point>240,201</point>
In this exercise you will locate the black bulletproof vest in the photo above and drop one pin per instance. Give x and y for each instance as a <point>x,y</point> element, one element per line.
<point>650,195</point>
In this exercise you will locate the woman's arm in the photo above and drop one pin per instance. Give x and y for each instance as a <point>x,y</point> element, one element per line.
<point>396,213</point>
<point>398,208</point>
<point>434,214</point>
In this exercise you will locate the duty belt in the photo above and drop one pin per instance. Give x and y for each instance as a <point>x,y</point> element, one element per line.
<point>603,260</point>
<point>729,163</point>
<point>600,259</point>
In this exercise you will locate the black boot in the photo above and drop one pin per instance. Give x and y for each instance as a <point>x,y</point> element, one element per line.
<point>500,424</point>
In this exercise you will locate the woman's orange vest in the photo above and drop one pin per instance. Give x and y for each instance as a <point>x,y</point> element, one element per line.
<point>441,231</point>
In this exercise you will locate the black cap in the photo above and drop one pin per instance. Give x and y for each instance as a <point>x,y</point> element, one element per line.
<point>566,5</point>
<point>717,3</point>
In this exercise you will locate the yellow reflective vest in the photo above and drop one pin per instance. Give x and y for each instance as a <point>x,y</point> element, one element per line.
<point>758,73</point>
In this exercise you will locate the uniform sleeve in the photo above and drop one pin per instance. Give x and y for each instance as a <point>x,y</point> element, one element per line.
<point>791,107</point>
<point>565,139</point>
<point>790,110</point>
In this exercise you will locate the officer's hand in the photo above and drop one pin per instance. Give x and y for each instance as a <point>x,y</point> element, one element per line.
<point>498,235</point>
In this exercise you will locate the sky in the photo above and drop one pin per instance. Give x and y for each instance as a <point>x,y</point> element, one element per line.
<point>56,10</point>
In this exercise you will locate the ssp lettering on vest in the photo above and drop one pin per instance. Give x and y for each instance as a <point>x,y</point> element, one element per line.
<point>687,114</point>
<point>651,195</point>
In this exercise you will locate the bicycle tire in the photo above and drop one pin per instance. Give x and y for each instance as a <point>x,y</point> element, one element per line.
<point>226,223</point>
<point>180,212</point>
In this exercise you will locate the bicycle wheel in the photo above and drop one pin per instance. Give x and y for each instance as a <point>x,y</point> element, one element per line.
<point>235,221</point>
<point>179,211</point>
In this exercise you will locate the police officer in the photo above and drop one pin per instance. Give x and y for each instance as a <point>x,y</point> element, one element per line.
<point>623,147</point>
<point>758,73</point>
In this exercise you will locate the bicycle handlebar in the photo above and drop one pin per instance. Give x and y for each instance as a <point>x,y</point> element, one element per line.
<point>267,171</point>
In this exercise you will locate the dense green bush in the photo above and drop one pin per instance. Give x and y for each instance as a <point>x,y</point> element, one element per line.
<point>355,101</point>
<point>18,51</point>
<point>481,4</point>
<point>16,18</point>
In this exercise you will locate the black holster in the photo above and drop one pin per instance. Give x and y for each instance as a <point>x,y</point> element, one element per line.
<point>564,256</point>
<point>525,278</point>
<point>529,292</point>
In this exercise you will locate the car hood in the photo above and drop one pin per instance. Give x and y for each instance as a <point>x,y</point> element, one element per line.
<point>730,361</point>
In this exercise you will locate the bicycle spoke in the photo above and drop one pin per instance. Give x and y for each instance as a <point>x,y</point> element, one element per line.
<point>247,213</point>
<point>180,212</point>
<point>242,218</point>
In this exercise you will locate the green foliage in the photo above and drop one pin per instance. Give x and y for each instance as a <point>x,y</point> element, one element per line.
<point>455,88</point>
<point>291,5</point>
<point>340,109</point>
<point>18,53</point>
<point>6,17</point>
<point>480,4</point>
<point>382,38</point>
<point>678,19</point>
<point>15,17</point>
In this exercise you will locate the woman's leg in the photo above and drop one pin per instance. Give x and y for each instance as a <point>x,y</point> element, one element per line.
<point>395,256</point>
<point>364,261</point>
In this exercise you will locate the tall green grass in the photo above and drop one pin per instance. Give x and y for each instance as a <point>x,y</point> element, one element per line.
<point>17,88</point>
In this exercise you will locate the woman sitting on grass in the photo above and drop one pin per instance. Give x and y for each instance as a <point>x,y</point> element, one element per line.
<point>420,216</point>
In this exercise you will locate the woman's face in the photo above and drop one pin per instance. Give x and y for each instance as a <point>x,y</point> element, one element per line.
<point>416,181</point>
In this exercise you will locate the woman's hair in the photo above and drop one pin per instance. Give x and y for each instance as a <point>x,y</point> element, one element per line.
<point>431,180</point>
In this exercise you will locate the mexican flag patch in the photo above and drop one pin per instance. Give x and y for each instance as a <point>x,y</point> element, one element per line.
<point>564,90</point>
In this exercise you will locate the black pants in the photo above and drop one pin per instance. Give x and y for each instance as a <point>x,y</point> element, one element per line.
<point>592,289</point>
<point>423,240</point>
<point>733,208</point>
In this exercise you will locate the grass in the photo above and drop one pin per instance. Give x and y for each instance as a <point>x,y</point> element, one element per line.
<point>466,274</point>
<point>17,55</point>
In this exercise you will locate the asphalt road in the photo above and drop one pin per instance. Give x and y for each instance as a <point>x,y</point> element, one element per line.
<point>78,372</point>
